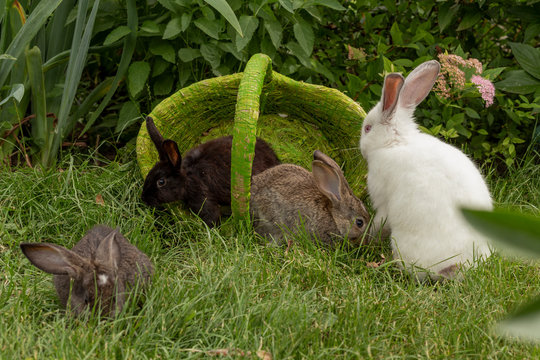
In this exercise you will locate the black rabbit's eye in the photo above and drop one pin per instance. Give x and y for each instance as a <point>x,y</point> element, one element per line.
<point>161,182</point>
<point>359,222</point>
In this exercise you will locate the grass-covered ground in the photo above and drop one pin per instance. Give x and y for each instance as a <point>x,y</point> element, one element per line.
<point>224,289</point>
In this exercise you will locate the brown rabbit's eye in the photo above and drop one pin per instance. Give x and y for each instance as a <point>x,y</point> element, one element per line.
<point>359,222</point>
<point>367,128</point>
<point>161,182</point>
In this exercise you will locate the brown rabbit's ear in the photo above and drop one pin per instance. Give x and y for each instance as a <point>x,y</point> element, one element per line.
<point>390,95</point>
<point>327,180</point>
<point>319,155</point>
<point>54,259</point>
<point>108,251</point>
<point>156,137</point>
<point>173,154</point>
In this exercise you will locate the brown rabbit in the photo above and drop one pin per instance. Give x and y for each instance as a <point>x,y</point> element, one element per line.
<point>103,261</point>
<point>202,180</point>
<point>287,196</point>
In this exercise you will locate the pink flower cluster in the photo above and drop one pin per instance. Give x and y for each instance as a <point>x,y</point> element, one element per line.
<point>452,76</point>
<point>485,87</point>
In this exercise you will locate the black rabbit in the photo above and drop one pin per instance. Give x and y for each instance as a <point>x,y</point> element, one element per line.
<point>202,180</point>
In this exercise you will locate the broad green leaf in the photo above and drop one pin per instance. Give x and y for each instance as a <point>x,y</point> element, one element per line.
<point>150,27</point>
<point>129,114</point>
<point>249,25</point>
<point>16,93</point>
<point>287,5</point>
<point>403,62</point>
<point>38,17</point>
<point>138,73</point>
<point>275,31</point>
<point>209,27</point>
<point>298,51</point>
<point>159,66</point>
<point>321,69</point>
<point>185,21</point>
<point>188,54</point>
<point>40,124</point>
<point>520,233</point>
<point>211,53</point>
<point>447,13</point>
<point>396,34</point>
<point>163,85</point>
<point>491,74</point>
<point>332,4</point>
<point>231,49</point>
<point>525,325</point>
<point>225,10</point>
<point>471,113</point>
<point>163,49</point>
<point>116,35</point>
<point>518,82</point>
<point>303,32</point>
<point>528,57</point>
<point>173,28</point>
<point>470,19</point>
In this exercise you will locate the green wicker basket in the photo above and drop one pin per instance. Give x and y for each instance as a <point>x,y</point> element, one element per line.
<point>294,117</point>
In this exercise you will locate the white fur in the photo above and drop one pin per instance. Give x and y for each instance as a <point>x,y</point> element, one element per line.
<point>102,279</point>
<point>417,183</point>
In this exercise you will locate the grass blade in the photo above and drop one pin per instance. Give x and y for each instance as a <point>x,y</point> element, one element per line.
<point>33,24</point>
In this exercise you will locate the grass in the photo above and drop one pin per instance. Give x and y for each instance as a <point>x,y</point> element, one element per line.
<point>223,289</point>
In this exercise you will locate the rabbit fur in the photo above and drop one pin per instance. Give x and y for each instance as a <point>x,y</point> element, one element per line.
<point>102,260</point>
<point>202,179</point>
<point>417,183</point>
<point>288,197</point>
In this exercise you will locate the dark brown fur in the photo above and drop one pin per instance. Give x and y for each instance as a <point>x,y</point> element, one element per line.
<point>202,179</point>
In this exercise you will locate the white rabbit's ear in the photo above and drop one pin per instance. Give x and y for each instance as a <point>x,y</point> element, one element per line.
<point>327,180</point>
<point>392,86</point>
<point>54,259</point>
<point>419,83</point>
<point>108,251</point>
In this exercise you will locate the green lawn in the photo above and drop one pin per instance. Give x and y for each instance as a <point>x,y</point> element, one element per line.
<point>224,289</point>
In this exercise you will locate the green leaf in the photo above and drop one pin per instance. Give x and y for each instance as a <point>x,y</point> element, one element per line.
<point>447,13</point>
<point>185,21</point>
<point>211,53</point>
<point>275,31</point>
<point>41,127</point>
<point>138,73</point>
<point>116,35</point>
<point>298,51</point>
<point>303,32</point>
<point>525,325</point>
<point>16,93</point>
<point>150,27</point>
<point>7,57</point>
<point>287,5</point>
<point>173,28</point>
<point>129,113</point>
<point>163,49</point>
<point>469,20</point>
<point>188,54</point>
<point>163,85</point>
<point>396,34</point>
<point>518,82</point>
<point>225,10</point>
<point>528,57</point>
<point>491,74</point>
<point>249,25</point>
<point>471,113</point>
<point>332,4</point>
<point>38,17</point>
<point>211,28</point>
<point>520,233</point>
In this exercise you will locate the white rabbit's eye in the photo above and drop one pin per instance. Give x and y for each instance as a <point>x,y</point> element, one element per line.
<point>367,128</point>
<point>359,222</point>
<point>161,182</point>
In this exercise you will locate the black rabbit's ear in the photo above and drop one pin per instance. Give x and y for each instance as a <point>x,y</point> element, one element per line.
<point>172,153</point>
<point>156,137</point>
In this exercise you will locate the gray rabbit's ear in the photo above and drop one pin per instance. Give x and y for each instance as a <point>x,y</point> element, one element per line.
<point>54,259</point>
<point>327,180</point>
<point>172,153</point>
<point>419,83</point>
<point>390,95</point>
<point>108,251</point>
<point>319,155</point>
<point>156,137</point>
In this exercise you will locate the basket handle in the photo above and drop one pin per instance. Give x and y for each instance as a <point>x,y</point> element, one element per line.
<point>258,68</point>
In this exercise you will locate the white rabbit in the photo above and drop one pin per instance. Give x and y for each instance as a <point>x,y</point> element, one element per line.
<point>417,183</point>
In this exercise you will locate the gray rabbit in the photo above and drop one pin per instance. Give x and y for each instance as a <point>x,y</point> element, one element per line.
<point>287,197</point>
<point>101,268</point>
